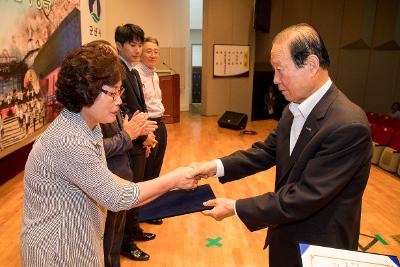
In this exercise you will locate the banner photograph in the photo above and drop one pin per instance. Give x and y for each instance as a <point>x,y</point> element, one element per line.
<point>34,37</point>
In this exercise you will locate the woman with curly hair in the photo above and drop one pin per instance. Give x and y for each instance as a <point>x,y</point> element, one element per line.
<point>67,185</point>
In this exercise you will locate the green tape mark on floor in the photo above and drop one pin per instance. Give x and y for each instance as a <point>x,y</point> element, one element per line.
<point>380,239</point>
<point>214,242</point>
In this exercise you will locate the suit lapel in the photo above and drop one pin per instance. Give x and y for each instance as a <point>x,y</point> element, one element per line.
<point>284,130</point>
<point>134,84</point>
<point>139,88</point>
<point>310,128</point>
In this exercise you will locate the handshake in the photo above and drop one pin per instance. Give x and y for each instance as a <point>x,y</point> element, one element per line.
<point>188,177</point>
<point>183,177</point>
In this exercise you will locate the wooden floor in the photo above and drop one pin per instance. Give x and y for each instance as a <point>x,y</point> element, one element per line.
<point>181,241</point>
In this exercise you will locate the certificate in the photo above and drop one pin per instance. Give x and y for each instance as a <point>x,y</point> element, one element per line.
<point>317,256</point>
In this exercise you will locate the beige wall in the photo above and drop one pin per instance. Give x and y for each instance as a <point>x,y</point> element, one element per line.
<point>168,21</point>
<point>226,22</point>
<point>363,40</point>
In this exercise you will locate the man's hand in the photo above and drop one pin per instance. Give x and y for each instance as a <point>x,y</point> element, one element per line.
<point>150,140</point>
<point>150,143</point>
<point>223,207</point>
<point>202,169</point>
<point>148,151</point>
<point>138,125</point>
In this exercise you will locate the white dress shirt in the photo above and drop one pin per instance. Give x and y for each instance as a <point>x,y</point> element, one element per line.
<point>301,111</point>
<point>151,90</point>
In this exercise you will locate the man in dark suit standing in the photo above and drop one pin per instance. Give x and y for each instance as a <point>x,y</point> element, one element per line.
<point>129,39</point>
<point>322,152</point>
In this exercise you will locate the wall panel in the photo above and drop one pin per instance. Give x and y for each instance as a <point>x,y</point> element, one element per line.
<point>386,34</point>
<point>326,17</point>
<point>357,25</point>
<point>226,22</point>
<point>381,82</point>
<point>352,74</point>
<point>296,11</point>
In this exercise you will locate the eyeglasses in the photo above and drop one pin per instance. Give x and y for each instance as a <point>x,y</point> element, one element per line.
<point>151,51</point>
<point>114,95</point>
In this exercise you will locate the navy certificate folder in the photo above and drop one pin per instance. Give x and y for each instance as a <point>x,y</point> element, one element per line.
<point>176,202</point>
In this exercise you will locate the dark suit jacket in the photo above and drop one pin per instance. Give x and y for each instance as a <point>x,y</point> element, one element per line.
<point>117,144</point>
<point>318,189</point>
<point>133,97</point>
<point>133,100</point>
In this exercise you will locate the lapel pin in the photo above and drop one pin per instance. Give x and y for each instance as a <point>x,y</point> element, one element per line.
<point>308,129</point>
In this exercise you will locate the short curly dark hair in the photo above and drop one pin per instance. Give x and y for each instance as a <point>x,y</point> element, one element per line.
<point>83,72</point>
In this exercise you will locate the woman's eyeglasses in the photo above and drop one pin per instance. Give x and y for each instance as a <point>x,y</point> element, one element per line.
<point>114,95</point>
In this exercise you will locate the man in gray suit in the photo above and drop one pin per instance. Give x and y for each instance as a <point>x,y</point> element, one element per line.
<point>321,149</point>
<point>117,140</point>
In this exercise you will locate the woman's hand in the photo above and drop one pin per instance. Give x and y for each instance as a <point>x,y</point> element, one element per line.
<point>181,179</point>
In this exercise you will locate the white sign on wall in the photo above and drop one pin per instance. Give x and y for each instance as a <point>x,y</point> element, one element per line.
<point>93,24</point>
<point>231,60</point>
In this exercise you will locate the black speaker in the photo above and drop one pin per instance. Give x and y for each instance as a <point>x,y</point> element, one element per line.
<point>233,120</point>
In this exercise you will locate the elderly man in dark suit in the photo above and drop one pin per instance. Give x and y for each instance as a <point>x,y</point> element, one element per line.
<point>321,149</point>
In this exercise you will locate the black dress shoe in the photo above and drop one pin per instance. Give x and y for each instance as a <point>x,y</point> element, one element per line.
<point>134,253</point>
<point>155,221</point>
<point>144,236</point>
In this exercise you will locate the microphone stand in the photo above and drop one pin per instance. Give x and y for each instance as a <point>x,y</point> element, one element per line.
<point>170,68</point>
